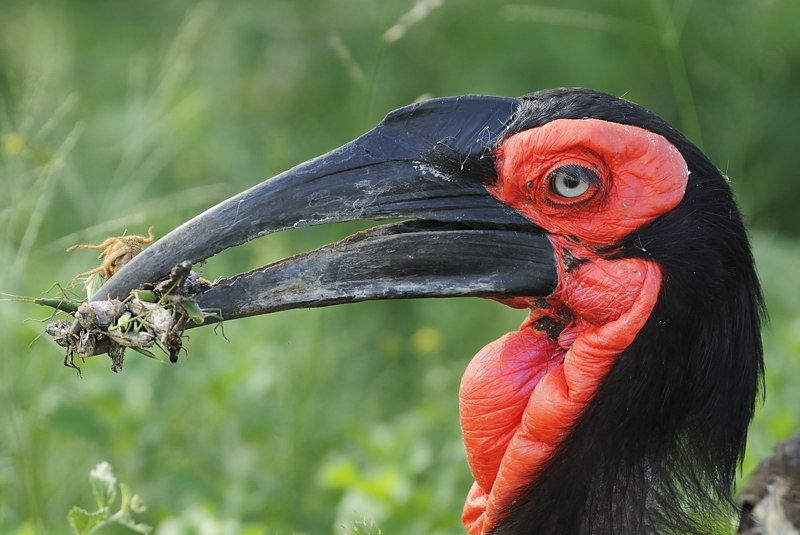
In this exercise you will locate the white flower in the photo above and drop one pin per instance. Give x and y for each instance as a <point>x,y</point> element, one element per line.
<point>102,472</point>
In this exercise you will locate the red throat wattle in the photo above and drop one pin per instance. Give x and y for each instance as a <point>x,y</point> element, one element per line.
<point>522,394</point>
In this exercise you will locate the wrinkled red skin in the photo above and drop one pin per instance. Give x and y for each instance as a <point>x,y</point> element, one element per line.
<point>521,394</point>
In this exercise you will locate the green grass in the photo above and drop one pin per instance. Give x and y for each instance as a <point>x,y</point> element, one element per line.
<point>115,116</point>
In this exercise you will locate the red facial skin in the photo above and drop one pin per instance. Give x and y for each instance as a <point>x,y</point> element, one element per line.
<point>522,394</point>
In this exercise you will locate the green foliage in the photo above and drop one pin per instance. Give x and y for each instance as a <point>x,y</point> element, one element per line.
<point>105,489</point>
<point>362,527</point>
<point>117,115</point>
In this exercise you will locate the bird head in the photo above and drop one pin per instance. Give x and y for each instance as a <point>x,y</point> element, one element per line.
<point>621,404</point>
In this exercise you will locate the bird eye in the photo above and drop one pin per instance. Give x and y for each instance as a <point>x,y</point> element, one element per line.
<point>571,181</point>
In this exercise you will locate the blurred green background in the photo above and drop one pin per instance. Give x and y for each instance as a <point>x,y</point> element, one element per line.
<point>117,115</point>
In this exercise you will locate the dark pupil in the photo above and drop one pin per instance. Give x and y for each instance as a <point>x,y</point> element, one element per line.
<point>571,181</point>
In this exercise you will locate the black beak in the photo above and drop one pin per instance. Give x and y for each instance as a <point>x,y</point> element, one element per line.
<point>426,164</point>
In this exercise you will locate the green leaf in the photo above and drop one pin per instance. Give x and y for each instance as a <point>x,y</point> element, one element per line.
<point>83,522</point>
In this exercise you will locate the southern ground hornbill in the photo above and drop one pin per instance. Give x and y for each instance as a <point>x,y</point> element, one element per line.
<point>621,404</point>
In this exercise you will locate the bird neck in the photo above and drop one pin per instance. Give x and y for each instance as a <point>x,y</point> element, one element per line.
<point>655,451</point>
<point>522,395</point>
